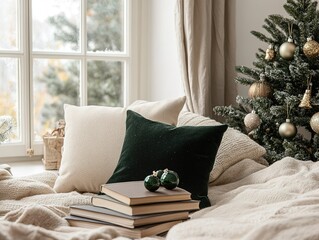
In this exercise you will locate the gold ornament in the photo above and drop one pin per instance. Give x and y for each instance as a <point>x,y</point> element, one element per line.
<point>287,49</point>
<point>260,88</point>
<point>287,129</point>
<point>270,53</point>
<point>305,101</point>
<point>311,48</point>
<point>314,122</point>
<point>252,121</point>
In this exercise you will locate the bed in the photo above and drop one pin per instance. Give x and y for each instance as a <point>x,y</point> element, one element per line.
<point>250,200</point>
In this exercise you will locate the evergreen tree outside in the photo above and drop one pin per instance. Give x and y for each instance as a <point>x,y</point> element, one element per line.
<point>278,85</point>
<point>105,30</point>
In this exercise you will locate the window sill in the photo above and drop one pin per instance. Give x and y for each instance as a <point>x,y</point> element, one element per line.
<point>25,168</point>
<point>11,160</point>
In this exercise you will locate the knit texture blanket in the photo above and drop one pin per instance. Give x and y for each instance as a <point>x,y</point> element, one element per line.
<point>33,210</point>
<point>249,201</point>
<point>277,202</point>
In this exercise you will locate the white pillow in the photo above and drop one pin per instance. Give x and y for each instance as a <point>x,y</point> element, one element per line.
<point>94,137</point>
<point>235,146</point>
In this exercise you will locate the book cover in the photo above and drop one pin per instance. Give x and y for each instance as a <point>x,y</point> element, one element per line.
<point>134,193</point>
<point>113,204</point>
<point>114,217</point>
<point>140,232</point>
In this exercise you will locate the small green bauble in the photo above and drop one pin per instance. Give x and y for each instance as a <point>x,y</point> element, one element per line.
<point>151,183</point>
<point>169,179</point>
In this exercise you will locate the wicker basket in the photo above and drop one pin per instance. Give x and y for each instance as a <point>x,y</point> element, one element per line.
<point>52,152</point>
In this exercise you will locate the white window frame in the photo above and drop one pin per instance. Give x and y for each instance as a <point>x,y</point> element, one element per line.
<point>19,151</point>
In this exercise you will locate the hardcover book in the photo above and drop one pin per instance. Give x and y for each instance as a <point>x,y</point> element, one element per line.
<point>134,193</point>
<point>140,232</point>
<point>113,204</point>
<point>114,217</point>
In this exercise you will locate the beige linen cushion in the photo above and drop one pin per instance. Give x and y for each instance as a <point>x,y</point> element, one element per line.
<point>235,146</point>
<point>94,137</point>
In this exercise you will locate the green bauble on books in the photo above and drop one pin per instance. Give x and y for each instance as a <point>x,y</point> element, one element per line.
<point>151,182</point>
<point>169,179</point>
<point>166,178</point>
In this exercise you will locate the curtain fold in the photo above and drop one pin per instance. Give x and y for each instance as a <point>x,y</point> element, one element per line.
<point>206,44</point>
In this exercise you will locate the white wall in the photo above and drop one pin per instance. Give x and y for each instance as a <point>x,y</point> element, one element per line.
<point>160,67</point>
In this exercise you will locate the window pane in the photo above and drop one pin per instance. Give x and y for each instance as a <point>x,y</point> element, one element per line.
<point>105,25</point>
<point>55,82</point>
<point>56,25</point>
<point>9,69</point>
<point>105,83</point>
<point>8,26</point>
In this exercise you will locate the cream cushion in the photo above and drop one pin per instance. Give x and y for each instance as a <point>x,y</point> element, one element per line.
<point>235,146</point>
<point>94,137</point>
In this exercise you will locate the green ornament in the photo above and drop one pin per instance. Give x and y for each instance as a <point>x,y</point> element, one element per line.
<point>152,182</point>
<point>169,179</point>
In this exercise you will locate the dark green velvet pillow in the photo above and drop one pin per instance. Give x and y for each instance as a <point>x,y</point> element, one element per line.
<point>188,150</point>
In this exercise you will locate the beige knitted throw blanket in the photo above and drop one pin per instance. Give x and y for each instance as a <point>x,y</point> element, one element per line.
<point>249,202</point>
<point>33,210</point>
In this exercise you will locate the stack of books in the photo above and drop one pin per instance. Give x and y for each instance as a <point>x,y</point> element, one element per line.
<point>134,211</point>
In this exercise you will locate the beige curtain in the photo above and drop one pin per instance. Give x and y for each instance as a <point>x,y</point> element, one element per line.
<point>206,42</point>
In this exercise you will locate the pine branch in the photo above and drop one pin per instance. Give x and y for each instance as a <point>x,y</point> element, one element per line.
<point>300,70</point>
<point>253,73</point>
<point>261,36</point>
<point>278,76</point>
<point>244,81</point>
<point>237,116</point>
<point>261,106</point>
<point>282,23</point>
<point>293,4</point>
<point>244,103</point>
<point>291,10</point>
<point>310,11</point>
<point>312,18</point>
<point>261,63</point>
<point>276,34</point>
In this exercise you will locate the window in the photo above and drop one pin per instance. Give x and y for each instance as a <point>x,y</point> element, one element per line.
<point>54,52</point>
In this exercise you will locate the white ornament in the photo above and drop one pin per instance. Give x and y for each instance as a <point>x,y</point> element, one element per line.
<point>252,120</point>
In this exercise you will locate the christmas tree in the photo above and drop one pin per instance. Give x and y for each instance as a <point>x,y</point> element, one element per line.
<point>281,110</point>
